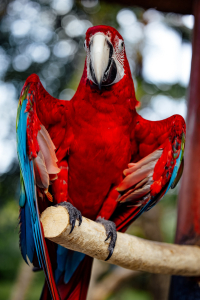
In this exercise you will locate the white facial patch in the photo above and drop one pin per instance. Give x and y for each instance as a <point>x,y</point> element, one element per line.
<point>117,56</point>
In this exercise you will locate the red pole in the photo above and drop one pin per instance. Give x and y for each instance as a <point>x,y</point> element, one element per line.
<point>188,225</point>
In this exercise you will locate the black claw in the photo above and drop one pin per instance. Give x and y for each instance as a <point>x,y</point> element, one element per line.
<point>80,219</point>
<point>108,236</point>
<point>74,214</point>
<point>110,254</point>
<point>73,224</point>
<point>111,233</point>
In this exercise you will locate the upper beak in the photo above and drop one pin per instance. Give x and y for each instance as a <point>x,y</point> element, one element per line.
<point>100,51</point>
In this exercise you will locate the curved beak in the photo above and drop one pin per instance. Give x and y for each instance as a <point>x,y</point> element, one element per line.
<point>99,52</point>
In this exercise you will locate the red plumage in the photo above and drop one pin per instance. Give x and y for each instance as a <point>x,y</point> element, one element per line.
<point>96,135</point>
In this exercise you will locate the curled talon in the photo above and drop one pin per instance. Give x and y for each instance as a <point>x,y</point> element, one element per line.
<point>73,224</point>
<point>111,233</point>
<point>74,214</point>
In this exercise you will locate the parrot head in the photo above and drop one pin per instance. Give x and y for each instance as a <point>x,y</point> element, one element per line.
<point>106,57</point>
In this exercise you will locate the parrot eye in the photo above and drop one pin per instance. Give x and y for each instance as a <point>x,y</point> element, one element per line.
<point>121,45</point>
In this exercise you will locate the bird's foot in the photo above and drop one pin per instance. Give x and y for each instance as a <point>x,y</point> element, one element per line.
<point>74,214</point>
<point>111,233</point>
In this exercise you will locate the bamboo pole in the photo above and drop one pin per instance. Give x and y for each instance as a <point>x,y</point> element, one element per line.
<point>130,252</point>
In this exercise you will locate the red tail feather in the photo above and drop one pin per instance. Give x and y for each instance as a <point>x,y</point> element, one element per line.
<point>46,293</point>
<point>49,272</point>
<point>77,287</point>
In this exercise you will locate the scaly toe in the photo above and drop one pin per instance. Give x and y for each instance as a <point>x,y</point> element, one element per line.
<point>111,233</point>
<point>74,214</point>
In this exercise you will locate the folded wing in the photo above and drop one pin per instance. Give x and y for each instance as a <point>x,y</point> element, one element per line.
<point>38,169</point>
<point>148,180</point>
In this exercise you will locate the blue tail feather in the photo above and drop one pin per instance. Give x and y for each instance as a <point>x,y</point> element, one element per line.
<point>67,263</point>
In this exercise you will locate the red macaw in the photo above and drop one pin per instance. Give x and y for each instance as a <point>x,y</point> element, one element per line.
<point>94,155</point>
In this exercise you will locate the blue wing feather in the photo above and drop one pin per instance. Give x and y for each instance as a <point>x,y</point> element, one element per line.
<point>28,179</point>
<point>175,171</point>
<point>26,235</point>
<point>31,236</point>
<point>22,198</point>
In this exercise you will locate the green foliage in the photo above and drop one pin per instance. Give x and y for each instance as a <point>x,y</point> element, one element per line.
<point>5,289</point>
<point>36,286</point>
<point>9,247</point>
<point>169,216</point>
<point>9,243</point>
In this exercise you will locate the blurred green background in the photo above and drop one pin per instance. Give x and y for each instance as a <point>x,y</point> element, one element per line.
<point>46,37</point>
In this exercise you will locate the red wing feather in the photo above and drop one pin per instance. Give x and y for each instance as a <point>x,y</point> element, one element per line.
<point>147,180</point>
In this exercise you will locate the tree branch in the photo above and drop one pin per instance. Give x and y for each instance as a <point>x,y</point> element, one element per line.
<point>103,289</point>
<point>130,252</point>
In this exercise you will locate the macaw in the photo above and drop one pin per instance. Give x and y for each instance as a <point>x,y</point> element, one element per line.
<point>94,155</point>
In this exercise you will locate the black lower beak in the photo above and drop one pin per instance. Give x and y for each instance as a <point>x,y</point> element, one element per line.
<point>108,76</point>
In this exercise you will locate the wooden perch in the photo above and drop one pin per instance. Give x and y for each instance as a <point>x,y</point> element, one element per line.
<point>130,252</point>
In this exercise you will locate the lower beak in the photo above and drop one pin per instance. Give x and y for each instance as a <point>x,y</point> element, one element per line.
<point>100,52</point>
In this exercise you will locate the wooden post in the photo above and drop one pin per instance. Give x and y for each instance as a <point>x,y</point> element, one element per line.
<point>188,225</point>
<point>130,252</point>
